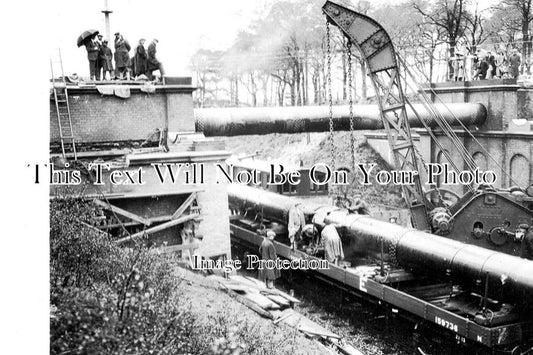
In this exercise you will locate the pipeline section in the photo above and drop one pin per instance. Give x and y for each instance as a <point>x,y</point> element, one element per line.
<point>508,276</point>
<point>299,119</point>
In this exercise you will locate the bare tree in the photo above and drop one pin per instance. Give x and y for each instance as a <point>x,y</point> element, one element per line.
<point>523,8</point>
<point>476,32</point>
<point>450,16</point>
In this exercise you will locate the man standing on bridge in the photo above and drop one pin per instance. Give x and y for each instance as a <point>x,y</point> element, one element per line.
<point>122,56</point>
<point>514,63</point>
<point>153,62</point>
<point>93,49</point>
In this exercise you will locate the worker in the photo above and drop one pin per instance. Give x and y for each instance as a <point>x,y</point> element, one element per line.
<point>295,225</point>
<point>122,56</point>
<point>358,205</point>
<point>92,54</point>
<point>140,59</point>
<point>309,236</point>
<point>525,235</point>
<point>106,60</point>
<point>331,241</point>
<point>268,252</point>
<point>153,62</point>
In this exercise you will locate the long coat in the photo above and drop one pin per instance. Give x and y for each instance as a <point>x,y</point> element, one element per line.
<point>153,63</point>
<point>332,243</point>
<point>106,58</point>
<point>514,63</point>
<point>268,252</point>
<point>140,61</point>
<point>92,50</point>
<point>122,49</point>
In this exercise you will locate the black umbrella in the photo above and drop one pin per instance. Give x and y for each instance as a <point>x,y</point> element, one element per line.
<point>86,35</point>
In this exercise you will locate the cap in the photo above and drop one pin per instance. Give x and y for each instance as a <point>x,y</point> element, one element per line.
<point>271,233</point>
<point>523,226</point>
<point>117,33</point>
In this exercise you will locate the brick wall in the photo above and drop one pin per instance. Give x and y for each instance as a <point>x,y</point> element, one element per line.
<point>510,152</point>
<point>500,97</point>
<point>98,118</point>
<point>500,150</point>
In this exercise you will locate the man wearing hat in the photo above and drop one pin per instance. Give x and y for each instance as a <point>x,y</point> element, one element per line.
<point>140,59</point>
<point>525,234</point>
<point>99,41</point>
<point>122,55</point>
<point>153,62</point>
<point>106,60</point>
<point>268,252</point>
<point>92,54</point>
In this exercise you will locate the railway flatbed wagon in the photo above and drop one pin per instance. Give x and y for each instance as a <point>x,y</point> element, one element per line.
<point>448,308</point>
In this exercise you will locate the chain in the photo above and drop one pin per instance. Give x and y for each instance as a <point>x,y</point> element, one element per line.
<point>330,99</point>
<point>392,251</point>
<point>350,100</point>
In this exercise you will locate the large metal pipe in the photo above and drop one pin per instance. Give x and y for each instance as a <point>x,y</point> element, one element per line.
<point>509,276</point>
<point>266,120</point>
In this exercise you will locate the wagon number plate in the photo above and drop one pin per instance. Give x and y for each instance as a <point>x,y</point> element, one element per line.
<point>446,324</point>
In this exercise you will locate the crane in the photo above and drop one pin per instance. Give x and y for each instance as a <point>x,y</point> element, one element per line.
<point>378,52</point>
<point>389,76</point>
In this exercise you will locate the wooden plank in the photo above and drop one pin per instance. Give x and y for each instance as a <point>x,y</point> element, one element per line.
<point>317,330</point>
<point>158,228</point>
<point>261,301</point>
<point>180,247</point>
<point>259,283</point>
<point>244,281</point>
<point>254,307</point>
<point>236,287</point>
<point>345,348</point>
<point>160,219</point>
<point>122,212</point>
<point>184,206</point>
<point>129,224</point>
<point>275,291</point>
<point>279,300</point>
<point>283,317</point>
<point>306,325</point>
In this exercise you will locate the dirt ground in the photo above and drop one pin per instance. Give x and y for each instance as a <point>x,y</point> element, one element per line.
<point>315,148</point>
<point>361,324</point>
<point>214,308</point>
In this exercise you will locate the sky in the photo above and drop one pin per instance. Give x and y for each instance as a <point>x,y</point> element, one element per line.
<point>181,27</point>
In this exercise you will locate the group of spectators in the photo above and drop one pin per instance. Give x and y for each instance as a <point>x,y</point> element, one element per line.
<point>483,66</point>
<point>141,65</point>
